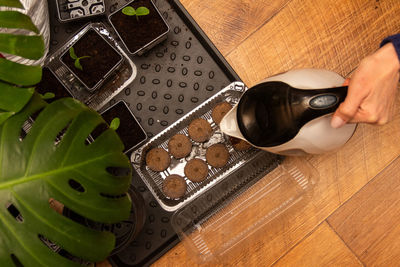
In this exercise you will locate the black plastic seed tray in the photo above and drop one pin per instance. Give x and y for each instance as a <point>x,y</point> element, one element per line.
<point>172,79</point>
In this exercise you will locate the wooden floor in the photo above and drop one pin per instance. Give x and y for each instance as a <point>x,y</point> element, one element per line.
<point>353,217</point>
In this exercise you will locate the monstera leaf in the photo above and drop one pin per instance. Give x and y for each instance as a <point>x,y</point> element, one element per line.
<point>14,77</point>
<point>54,161</point>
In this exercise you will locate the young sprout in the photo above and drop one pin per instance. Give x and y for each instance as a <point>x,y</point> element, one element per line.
<point>48,95</point>
<point>77,59</point>
<point>140,11</point>
<point>115,124</point>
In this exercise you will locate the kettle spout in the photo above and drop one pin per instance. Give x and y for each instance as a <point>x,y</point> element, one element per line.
<point>229,124</point>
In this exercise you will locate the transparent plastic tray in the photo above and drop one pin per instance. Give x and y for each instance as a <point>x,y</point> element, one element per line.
<point>154,180</point>
<point>213,230</point>
<point>120,77</point>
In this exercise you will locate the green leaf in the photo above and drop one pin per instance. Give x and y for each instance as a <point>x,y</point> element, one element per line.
<point>12,99</point>
<point>142,11</point>
<point>27,46</point>
<point>77,64</point>
<point>16,20</point>
<point>11,3</point>
<point>72,53</point>
<point>129,11</point>
<point>37,168</point>
<point>4,115</point>
<point>19,74</point>
<point>31,47</point>
<point>115,124</point>
<point>48,95</point>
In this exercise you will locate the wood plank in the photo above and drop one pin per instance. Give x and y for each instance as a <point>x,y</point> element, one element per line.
<point>229,24</point>
<point>331,34</point>
<point>322,248</point>
<point>368,222</point>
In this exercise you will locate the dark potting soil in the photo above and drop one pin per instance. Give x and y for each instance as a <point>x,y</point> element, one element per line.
<point>50,84</point>
<point>136,33</point>
<point>102,58</point>
<point>129,129</point>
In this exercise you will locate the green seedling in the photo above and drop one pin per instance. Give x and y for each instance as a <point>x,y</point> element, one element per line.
<point>48,95</point>
<point>140,11</point>
<point>115,124</point>
<point>77,59</point>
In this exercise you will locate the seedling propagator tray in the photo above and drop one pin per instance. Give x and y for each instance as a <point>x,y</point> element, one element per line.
<point>162,86</point>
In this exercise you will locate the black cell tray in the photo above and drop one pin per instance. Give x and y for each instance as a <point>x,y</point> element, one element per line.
<point>173,78</point>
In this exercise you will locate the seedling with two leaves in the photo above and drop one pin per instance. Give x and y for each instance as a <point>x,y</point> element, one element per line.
<point>140,11</point>
<point>77,59</point>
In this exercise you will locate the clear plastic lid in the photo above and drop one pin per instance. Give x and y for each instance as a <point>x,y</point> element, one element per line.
<point>243,207</point>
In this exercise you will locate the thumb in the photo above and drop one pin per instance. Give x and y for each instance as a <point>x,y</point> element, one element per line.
<point>348,109</point>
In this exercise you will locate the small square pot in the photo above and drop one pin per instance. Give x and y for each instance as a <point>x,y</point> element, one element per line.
<point>129,130</point>
<point>142,33</point>
<point>102,61</point>
<point>51,84</point>
<point>79,9</point>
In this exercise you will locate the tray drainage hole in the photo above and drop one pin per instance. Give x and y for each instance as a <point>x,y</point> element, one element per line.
<point>152,218</point>
<point>148,245</point>
<point>163,233</point>
<point>85,3</point>
<point>149,232</point>
<point>76,186</point>
<point>15,212</point>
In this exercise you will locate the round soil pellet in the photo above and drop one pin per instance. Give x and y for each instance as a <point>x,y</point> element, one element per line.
<point>174,186</point>
<point>220,111</point>
<point>239,144</point>
<point>157,159</point>
<point>217,155</point>
<point>200,130</point>
<point>179,146</point>
<point>196,170</point>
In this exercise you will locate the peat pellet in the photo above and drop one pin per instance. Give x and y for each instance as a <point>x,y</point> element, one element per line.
<point>219,111</point>
<point>179,146</point>
<point>174,186</point>
<point>217,155</point>
<point>157,159</point>
<point>200,130</point>
<point>196,170</point>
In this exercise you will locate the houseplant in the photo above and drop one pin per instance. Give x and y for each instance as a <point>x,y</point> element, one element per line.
<point>139,33</point>
<point>35,168</point>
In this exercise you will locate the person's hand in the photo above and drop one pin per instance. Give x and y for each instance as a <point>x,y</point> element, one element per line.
<point>372,90</point>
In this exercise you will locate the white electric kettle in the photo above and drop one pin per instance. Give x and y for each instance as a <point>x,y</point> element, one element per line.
<point>290,113</point>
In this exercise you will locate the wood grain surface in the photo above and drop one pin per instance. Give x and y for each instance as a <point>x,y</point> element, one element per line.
<point>267,37</point>
<point>322,248</point>
<point>368,222</point>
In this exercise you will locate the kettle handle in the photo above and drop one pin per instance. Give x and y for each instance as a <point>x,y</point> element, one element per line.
<point>327,99</point>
